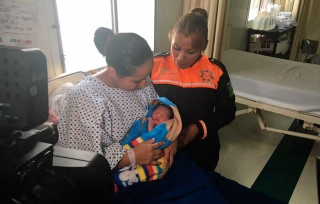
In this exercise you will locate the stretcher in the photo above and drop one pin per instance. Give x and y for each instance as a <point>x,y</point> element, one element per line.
<point>278,86</point>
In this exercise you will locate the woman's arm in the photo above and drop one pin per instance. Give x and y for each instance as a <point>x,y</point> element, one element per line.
<point>145,153</point>
<point>123,162</point>
<point>225,108</point>
<point>83,124</point>
<point>187,135</point>
<point>169,153</point>
<point>222,115</point>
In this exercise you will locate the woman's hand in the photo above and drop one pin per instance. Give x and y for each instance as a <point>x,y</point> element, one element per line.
<point>187,135</point>
<point>146,152</point>
<point>169,153</point>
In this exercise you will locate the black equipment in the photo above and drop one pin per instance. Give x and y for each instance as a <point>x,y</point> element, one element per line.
<point>32,169</point>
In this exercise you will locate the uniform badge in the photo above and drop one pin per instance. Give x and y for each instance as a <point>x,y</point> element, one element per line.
<point>206,76</point>
<point>230,89</point>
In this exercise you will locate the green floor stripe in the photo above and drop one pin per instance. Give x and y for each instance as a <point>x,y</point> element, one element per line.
<point>280,175</point>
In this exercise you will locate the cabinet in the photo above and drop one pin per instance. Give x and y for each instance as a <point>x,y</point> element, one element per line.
<point>275,43</point>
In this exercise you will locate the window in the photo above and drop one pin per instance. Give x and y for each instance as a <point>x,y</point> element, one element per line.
<point>137,17</point>
<point>78,21</point>
<point>255,7</point>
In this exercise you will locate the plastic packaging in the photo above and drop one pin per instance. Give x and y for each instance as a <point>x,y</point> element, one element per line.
<point>269,19</point>
<point>256,21</point>
<point>57,99</point>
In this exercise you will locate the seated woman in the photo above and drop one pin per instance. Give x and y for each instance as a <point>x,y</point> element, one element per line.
<point>101,108</point>
<point>100,111</point>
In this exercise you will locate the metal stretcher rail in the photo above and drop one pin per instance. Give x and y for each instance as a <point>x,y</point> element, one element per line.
<point>255,107</point>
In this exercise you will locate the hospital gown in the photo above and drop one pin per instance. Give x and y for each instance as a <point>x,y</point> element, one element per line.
<point>98,117</point>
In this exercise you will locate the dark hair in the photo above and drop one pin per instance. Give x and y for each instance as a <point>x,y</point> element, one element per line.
<point>167,107</point>
<point>195,26</point>
<point>200,11</point>
<point>125,52</point>
<point>101,37</point>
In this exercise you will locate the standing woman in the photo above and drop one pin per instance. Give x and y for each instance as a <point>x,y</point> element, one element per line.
<point>199,86</point>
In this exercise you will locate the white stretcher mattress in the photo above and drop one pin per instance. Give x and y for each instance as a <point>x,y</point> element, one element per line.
<point>283,83</point>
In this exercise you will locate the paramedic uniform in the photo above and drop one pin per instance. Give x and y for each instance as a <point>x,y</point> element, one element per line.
<point>204,96</point>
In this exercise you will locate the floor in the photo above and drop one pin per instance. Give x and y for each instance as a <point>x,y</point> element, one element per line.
<point>283,167</point>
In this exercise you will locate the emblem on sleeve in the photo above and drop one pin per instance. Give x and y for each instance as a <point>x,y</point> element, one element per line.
<point>230,89</point>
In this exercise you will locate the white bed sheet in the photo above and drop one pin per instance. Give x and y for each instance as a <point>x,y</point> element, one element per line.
<point>283,83</point>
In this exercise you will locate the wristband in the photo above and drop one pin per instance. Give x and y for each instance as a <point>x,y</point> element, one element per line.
<point>132,157</point>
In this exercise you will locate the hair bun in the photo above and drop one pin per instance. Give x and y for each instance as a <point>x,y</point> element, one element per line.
<point>101,38</point>
<point>200,11</point>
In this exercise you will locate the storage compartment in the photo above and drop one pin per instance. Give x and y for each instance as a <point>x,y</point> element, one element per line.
<point>274,43</point>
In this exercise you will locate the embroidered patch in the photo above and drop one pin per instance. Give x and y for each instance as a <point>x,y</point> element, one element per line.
<point>206,76</point>
<point>230,89</point>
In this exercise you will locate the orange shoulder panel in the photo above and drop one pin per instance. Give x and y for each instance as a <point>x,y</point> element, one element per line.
<point>203,74</point>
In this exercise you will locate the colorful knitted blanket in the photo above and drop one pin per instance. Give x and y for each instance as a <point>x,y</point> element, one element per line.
<point>166,132</point>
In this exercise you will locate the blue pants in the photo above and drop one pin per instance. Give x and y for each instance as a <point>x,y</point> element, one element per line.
<point>233,192</point>
<point>187,183</point>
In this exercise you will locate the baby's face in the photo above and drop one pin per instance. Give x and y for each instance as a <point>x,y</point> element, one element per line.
<point>160,114</point>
